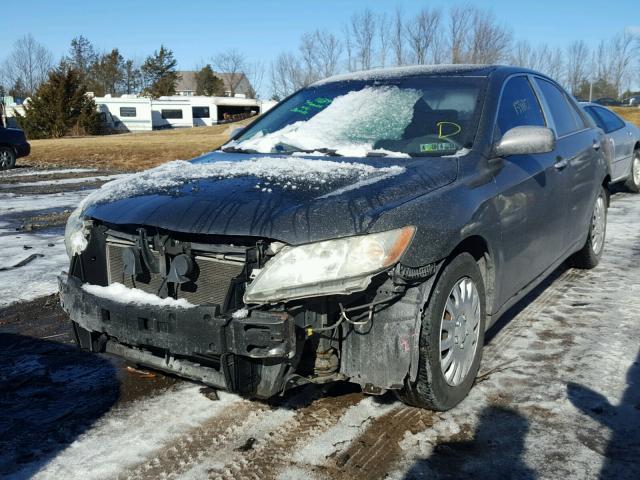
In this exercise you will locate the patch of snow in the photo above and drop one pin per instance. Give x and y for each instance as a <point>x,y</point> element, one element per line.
<point>125,437</point>
<point>21,173</point>
<point>397,72</point>
<point>117,292</point>
<point>64,181</point>
<point>242,313</point>
<point>11,203</point>
<point>273,170</point>
<point>351,124</point>
<point>38,277</point>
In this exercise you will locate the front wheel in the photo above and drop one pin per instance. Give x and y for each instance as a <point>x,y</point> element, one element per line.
<point>589,255</point>
<point>451,338</point>
<point>633,182</point>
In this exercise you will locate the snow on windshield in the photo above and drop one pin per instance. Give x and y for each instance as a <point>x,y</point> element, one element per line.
<point>351,124</point>
<point>286,172</point>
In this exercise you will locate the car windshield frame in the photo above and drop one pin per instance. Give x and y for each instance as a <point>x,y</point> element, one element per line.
<point>418,82</point>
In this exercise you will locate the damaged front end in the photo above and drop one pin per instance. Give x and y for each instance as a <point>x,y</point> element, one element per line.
<point>252,316</point>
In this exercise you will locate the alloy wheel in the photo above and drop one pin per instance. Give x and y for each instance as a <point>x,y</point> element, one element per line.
<point>459,331</point>
<point>598,225</point>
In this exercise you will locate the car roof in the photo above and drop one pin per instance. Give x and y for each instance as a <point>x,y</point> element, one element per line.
<point>469,70</point>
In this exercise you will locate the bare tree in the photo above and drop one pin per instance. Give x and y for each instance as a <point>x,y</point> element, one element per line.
<point>577,64</point>
<point>234,64</point>
<point>459,26</point>
<point>329,52</point>
<point>490,42</point>
<point>360,34</point>
<point>621,53</point>
<point>384,38</point>
<point>397,38</point>
<point>421,33</point>
<point>28,63</point>
<point>287,75</point>
<point>255,74</point>
<point>523,55</point>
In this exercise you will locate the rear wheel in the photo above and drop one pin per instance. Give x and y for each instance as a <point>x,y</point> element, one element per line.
<point>7,158</point>
<point>451,338</point>
<point>633,182</point>
<point>589,256</point>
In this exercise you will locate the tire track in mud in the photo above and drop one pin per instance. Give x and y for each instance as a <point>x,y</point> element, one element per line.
<point>372,454</point>
<point>265,461</point>
<point>183,452</point>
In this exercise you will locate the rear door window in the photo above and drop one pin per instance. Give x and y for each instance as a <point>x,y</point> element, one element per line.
<point>565,118</point>
<point>519,106</point>
<point>596,118</point>
<point>610,120</point>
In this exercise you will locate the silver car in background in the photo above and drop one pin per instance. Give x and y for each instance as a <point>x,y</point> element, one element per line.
<point>623,145</point>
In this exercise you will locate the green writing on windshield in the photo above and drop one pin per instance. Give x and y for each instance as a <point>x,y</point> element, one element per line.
<point>317,103</point>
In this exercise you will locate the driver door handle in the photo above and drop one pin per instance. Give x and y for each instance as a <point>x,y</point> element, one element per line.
<point>561,163</point>
<point>596,145</point>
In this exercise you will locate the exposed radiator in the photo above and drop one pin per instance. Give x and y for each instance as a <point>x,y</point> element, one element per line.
<point>209,287</point>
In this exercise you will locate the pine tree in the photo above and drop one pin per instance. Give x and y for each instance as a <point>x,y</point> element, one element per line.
<point>107,73</point>
<point>60,105</point>
<point>207,83</point>
<point>159,72</point>
<point>132,78</point>
<point>82,56</point>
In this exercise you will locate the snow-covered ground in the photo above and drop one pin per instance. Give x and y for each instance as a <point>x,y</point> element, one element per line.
<point>558,396</point>
<point>38,277</point>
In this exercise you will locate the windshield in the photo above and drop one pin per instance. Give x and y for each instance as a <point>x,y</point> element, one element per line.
<point>413,116</point>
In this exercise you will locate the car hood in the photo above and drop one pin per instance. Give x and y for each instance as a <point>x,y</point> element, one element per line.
<point>292,199</point>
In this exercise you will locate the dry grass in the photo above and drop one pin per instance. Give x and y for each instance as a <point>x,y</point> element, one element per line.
<point>630,114</point>
<point>128,151</point>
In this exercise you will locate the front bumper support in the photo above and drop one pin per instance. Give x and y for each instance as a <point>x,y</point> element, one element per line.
<point>197,343</point>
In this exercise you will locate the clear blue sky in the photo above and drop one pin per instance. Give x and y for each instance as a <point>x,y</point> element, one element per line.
<point>197,29</point>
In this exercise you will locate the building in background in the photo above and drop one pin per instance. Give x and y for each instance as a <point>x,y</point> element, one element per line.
<point>133,113</point>
<point>187,84</point>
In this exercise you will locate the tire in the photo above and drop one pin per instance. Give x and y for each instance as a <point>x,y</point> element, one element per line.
<point>7,158</point>
<point>633,182</point>
<point>432,389</point>
<point>589,255</point>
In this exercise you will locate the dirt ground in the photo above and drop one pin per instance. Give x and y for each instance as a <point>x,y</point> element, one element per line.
<point>558,395</point>
<point>128,151</point>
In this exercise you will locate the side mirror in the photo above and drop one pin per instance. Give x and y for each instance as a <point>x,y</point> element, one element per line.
<point>525,140</point>
<point>235,132</point>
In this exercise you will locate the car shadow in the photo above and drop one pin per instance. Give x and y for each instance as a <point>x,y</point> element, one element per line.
<point>50,393</point>
<point>622,453</point>
<point>495,450</point>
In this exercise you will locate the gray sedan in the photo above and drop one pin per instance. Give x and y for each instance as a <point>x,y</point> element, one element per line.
<point>622,147</point>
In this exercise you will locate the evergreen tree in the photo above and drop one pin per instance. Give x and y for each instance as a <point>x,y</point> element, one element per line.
<point>82,56</point>
<point>132,78</point>
<point>207,83</point>
<point>60,105</point>
<point>107,73</point>
<point>159,72</point>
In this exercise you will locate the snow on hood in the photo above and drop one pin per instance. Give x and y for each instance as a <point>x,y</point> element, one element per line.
<point>286,172</point>
<point>351,124</point>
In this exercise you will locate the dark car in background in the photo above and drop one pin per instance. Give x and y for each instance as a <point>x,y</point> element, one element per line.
<point>608,101</point>
<point>622,145</point>
<point>13,145</point>
<point>369,228</point>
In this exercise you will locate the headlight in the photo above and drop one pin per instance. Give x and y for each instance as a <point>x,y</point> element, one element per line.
<point>76,234</point>
<point>332,267</point>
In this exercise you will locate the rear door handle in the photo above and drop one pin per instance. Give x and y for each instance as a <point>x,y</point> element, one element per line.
<point>596,145</point>
<point>561,163</point>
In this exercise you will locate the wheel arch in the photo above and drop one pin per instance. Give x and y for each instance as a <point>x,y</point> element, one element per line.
<point>478,247</point>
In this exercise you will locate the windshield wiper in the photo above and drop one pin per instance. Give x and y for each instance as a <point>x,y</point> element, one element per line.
<point>377,154</point>
<point>288,149</point>
<point>238,150</point>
